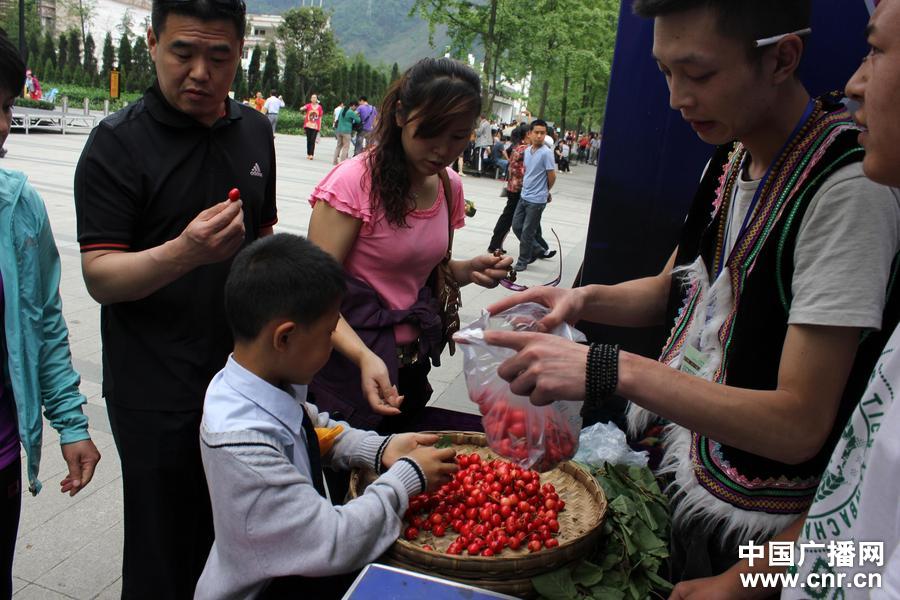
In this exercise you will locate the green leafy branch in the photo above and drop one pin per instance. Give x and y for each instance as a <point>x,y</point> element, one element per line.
<point>632,549</point>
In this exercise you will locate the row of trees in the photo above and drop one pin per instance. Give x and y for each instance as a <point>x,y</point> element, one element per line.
<point>64,60</point>
<point>347,79</point>
<point>565,46</point>
<point>312,61</point>
<point>313,64</point>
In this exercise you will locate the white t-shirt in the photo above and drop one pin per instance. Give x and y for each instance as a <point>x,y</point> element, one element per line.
<point>564,150</point>
<point>273,105</point>
<point>337,113</point>
<point>858,499</point>
<point>843,254</point>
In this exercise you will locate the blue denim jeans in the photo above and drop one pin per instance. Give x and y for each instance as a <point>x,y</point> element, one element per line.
<point>526,225</point>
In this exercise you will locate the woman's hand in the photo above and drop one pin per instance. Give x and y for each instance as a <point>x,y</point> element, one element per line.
<point>376,385</point>
<point>487,270</point>
<point>404,443</point>
<point>565,305</point>
<point>81,459</point>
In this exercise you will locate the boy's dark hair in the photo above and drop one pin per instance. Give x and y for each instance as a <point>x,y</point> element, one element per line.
<point>538,123</point>
<point>363,99</point>
<point>280,276</point>
<point>273,92</point>
<point>12,67</point>
<point>204,10</point>
<point>744,20</point>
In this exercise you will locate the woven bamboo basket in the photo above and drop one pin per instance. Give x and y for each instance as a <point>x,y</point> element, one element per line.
<point>511,571</point>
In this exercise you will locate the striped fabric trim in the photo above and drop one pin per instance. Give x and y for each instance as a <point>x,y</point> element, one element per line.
<point>105,246</point>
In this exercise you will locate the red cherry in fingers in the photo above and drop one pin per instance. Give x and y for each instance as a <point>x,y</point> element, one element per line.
<point>234,195</point>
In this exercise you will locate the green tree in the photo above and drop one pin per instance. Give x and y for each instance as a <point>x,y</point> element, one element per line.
<point>90,59</point>
<point>290,83</point>
<point>109,56</point>
<point>9,22</point>
<point>74,57</point>
<point>239,84</point>
<point>48,72</point>
<point>124,55</point>
<point>48,49</point>
<point>395,73</point>
<point>141,66</point>
<point>270,70</point>
<point>253,79</point>
<point>62,58</point>
<point>34,49</point>
<point>306,30</point>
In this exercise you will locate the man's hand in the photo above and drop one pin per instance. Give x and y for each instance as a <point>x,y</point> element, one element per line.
<point>376,385</point>
<point>404,443</point>
<point>546,368</point>
<point>214,235</point>
<point>487,270</point>
<point>565,305</point>
<point>82,458</point>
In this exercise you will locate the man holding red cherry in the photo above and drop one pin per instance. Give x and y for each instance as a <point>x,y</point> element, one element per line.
<point>158,229</point>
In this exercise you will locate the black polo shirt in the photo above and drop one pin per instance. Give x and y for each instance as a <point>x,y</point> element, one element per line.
<point>144,174</point>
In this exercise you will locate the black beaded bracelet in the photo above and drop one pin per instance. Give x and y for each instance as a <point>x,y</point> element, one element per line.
<point>379,455</point>
<point>419,472</point>
<point>602,372</point>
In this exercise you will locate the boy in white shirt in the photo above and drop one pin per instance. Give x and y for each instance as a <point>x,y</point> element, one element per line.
<point>275,527</point>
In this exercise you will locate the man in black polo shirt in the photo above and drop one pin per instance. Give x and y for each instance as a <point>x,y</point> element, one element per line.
<point>157,236</point>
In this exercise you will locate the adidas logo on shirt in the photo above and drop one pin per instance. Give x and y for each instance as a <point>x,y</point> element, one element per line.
<point>256,171</point>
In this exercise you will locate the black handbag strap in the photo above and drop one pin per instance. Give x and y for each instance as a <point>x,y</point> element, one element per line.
<point>448,197</point>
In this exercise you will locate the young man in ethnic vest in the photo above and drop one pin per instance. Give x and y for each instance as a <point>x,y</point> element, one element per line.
<point>856,503</point>
<point>775,292</point>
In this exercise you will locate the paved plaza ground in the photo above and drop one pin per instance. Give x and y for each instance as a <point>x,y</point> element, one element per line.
<point>72,547</point>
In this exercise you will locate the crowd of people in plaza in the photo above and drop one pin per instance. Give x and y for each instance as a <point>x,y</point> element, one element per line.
<point>229,348</point>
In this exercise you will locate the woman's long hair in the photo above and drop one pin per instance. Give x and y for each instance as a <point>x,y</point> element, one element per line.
<point>436,91</point>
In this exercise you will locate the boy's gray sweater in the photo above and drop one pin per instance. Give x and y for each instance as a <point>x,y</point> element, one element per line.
<point>271,522</point>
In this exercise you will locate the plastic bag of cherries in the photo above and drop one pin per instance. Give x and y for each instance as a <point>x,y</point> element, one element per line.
<point>533,437</point>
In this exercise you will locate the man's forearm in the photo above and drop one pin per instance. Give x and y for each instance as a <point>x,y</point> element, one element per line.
<point>113,277</point>
<point>636,303</point>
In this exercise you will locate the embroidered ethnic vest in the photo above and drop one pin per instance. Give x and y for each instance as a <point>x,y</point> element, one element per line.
<point>752,335</point>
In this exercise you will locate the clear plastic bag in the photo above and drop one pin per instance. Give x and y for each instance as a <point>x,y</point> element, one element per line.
<point>605,443</point>
<point>533,437</point>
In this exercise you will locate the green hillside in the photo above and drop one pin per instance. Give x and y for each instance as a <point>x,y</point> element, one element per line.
<point>380,29</point>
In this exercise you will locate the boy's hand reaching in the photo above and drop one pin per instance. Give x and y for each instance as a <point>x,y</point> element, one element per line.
<point>404,443</point>
<point>439,465</point>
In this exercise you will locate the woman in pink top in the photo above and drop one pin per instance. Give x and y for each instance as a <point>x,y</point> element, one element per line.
<point>312,123</point>
<point>384,215</point>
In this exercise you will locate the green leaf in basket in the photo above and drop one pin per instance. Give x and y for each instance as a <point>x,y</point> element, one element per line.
<point>658,581</point>
<point>444,442</point>
<point>602,592</point>
<point>556,585</point>
<point>615,579</point>
<point>587,574</point>
<point>623,505</point>
<point>647,516</point>
<point>644,538</point>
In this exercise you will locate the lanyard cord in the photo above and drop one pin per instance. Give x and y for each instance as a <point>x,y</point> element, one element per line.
<point>810,107</point>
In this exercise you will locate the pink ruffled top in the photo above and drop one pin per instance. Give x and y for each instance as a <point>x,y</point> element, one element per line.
<point>394,261</point>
